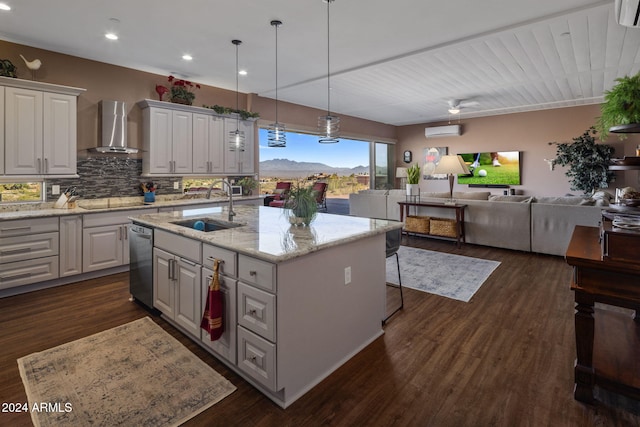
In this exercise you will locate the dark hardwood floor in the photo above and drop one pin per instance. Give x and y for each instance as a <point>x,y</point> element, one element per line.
<point>503,359</point>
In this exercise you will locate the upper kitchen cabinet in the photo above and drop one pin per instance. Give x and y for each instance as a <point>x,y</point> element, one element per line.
<point>239,161</point>
<point>40,128</point>
<point>183,140</point>
<point>1,130</point>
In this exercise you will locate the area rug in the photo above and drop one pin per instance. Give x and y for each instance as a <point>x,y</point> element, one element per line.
<point>132,375</point>
<point>448,275</point>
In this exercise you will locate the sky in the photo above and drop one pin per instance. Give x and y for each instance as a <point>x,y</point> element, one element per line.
<point>306,148</point>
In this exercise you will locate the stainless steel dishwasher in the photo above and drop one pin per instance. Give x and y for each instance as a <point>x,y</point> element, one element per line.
<point>141,264</point>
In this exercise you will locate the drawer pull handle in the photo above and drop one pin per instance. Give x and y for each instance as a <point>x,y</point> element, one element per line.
<point>253,359</point>
<point>252,311</point>
<point>14,277</point>
<point>27,228</point>
<point>253,273</point>
<point>213,259</point>
<point>15,251</point>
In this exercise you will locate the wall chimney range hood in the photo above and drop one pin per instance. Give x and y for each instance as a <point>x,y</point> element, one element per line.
<point>113,120</point>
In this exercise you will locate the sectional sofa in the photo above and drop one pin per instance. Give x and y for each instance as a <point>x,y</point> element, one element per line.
<point>524,223</point>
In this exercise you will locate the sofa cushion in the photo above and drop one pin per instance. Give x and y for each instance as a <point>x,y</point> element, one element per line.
<point>471,195</point>
<point>522,199</point>
<point>559,200</point>
<point>440,195</point>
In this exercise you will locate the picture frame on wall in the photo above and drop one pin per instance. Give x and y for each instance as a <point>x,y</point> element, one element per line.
<point>430,159</point>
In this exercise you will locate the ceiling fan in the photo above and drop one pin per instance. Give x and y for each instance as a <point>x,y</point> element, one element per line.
<point>455,105</point>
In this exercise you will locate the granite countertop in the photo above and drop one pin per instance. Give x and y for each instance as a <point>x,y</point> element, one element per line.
<point>266,232</point>
<point>87,206</point>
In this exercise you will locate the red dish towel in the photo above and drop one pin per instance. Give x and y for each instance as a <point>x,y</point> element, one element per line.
<point>212,317</point>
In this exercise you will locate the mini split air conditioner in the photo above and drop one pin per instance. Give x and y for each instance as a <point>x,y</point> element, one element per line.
<point>438,131</point>
<point>628,12</point>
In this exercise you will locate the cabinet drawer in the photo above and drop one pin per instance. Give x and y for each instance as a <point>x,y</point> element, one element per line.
<point>257,272</point>
<point>30,271</point>
<point>111,218</point>
<point>181,246</point>
<point>28,247</point>
<point>257,358</point>
<point>19,227</point>
<point>209,253</point>
<point>257,311</point>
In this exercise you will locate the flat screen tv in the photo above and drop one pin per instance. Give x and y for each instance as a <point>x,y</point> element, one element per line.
<point>499,168</point>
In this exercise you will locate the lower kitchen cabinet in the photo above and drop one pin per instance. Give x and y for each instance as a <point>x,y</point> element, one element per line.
<point>29,251</point>
<point>225,346</point>
<point>105,239</point>
<point>70,245</point>
<point>176,290</point>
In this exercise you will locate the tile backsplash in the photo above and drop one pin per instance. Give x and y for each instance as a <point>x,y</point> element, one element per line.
<point>110,176</point>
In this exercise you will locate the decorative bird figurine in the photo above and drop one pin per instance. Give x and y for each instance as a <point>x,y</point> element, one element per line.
<point>32,65</point>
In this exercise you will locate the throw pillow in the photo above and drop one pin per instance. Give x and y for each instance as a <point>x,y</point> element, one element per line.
<point>560,200</point>
<point>587,202</point>
<point>279,191</point>
<point>436,195</point>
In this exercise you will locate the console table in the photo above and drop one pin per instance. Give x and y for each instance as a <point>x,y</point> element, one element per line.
<point>607,342</point>
<point>459,212</point>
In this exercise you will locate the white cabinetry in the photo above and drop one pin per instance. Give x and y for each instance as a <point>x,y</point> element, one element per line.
<point>40,135</point>
<point>225,346</point>
<point>208,144</point>
<point>167,141</point>
<point>185,140</point>
<point>236,161</point>
<point>177,280</point>
<point>1,130</point>
<point>105,241</point>
<point>70,245</point>
<point>28,251</point>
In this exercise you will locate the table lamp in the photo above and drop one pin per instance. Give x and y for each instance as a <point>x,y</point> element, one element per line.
<point>450,165</point>
<point>402,174</point>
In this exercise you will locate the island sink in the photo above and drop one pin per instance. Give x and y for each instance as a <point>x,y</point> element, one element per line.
<point>209,224</point>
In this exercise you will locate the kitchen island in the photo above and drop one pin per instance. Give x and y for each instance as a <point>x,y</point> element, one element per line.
<point>298,301</point>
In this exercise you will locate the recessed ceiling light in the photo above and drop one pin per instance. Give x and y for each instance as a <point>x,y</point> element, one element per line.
<point>111,36</point>
<point>4,6</point>
<point>187,57</point>
<point>243,72</point>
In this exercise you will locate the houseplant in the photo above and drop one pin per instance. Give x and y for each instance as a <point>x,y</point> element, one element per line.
<point>301,205</point>
<point>413,178</point>
<point>621,108</point>
<point>182,91</point>
<point>588,162</point>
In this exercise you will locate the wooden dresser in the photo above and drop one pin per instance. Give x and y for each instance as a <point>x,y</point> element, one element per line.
<point>606,269</point>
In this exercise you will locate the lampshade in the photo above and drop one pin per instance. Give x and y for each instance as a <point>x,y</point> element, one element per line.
<point>401,172</point>
<point>236,137</point>
<point>277,132</point>
<point>329,124</point>
<point>451,164</point>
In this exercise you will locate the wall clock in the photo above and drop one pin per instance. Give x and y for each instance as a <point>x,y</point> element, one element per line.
<point>407,156</point>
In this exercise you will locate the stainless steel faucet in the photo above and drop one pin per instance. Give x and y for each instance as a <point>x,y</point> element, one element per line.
<point>224,181</point>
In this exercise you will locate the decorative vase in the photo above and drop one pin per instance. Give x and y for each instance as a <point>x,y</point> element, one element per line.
<point>413,189</point>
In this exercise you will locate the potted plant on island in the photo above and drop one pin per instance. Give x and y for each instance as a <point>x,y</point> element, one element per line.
<point>621,108</point>
<point>301,205</point>
<point>588,162</point>
<point>413,178</point>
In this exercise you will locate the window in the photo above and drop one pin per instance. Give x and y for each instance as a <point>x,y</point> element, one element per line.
<point>21,192</point>
<point>345,166</point>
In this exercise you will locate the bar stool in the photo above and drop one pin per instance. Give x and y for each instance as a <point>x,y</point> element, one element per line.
<point>393,244</point>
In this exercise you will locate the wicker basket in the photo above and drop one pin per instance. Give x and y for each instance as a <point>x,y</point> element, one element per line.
<point>443,227</point>
<point>417,224</point>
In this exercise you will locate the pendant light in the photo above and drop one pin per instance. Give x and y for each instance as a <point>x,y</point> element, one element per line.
<point>276,131</point>
<point>236,137</point>
<point>329,125</point>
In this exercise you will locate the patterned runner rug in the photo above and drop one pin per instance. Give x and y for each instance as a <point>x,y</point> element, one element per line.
<point>452,276</point>
<point>135,375</point>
